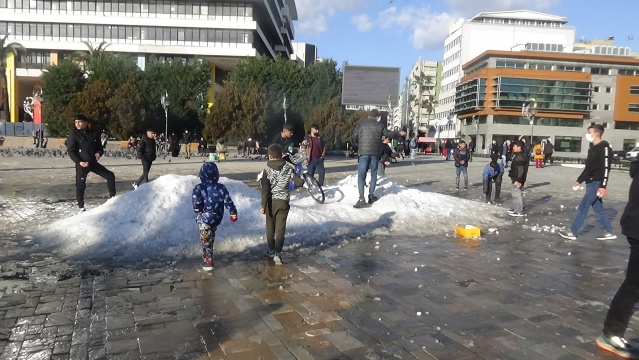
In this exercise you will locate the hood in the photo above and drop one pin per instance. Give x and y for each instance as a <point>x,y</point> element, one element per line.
<point>209,174</point>
<point>603,143</point>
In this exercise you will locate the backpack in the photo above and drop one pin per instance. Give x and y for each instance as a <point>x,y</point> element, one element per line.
<point>413,144</point>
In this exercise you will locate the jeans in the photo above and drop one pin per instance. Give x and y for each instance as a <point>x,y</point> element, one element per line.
<point>461,169</point>
<point>146,167</point>
<point>504,159</point>
<point>622,305</point>
<point>367,162</point>
<point>591,199</point>
<point>518,199</point>
<point>449,152</point>
<point>413,152</point>
<point>81,180</point>
<point>317,164</point>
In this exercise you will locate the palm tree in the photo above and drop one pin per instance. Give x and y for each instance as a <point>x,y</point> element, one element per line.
<point>93,55</point>
<point>15,49</point>
<point>429,105</point>
<point>422,82</point>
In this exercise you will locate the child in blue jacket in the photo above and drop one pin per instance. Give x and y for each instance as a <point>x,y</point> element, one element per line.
<point>209,200</point>
<point>493,172</point>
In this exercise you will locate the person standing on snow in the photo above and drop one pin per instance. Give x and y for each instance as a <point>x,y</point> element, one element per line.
<point>367,137</point>
<point>85,150</point>
<point>209,200</point>
<point>595,174</point>
<point>517,175</point>
<point>147,153</point>
<point>316,152</point>
<point>493,172</point>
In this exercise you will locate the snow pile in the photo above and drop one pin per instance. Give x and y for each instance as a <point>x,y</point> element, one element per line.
<point>157,219</point>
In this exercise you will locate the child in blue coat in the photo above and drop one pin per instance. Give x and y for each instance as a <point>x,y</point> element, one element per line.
<point>209,200</point>
<point>493,172</point>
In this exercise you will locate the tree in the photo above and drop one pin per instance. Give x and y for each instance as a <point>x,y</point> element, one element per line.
<point>93,102</point>
<point>15,49</point>
<point>94,54</point>
<point>429,105</point>
<point>330,119</point>
<point>126,109</point>
<point>253,114</point>
<point>60,84</point>
<point>225,113</point>
<point>421,82</point>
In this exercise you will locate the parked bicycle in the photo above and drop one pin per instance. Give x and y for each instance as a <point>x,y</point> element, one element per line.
<point>310,183</point>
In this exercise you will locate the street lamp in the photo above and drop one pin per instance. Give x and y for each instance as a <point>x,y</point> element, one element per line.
<point>528,111</point>
<point>284,106</point>
<point>164,100</point>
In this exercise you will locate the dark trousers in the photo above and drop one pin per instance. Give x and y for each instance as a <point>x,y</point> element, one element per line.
<point>488,186</point>
<point>276,215</point>
<point>81,180</point>
<point>317,164</point>
<point>622,305</point>
<point>547,157</point>
<point>146,167</point>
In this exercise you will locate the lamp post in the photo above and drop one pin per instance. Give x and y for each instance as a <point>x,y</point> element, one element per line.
<point>528,111</point>
<point>284,106</point>
<point>164,100</point>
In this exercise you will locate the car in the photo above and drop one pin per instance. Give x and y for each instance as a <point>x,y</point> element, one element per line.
<point>632,154</point>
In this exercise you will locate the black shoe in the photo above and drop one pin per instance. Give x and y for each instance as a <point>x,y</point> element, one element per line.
<point>270,253</point>
<point>372,199</point>
<point>360,204</point>
<point>618,346</point>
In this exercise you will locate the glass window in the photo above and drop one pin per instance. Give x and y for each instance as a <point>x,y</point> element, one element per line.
<point>180,34</point>
<point>166,34</point>
<point>215,35</point>
<point>153,9</point>
<point>181,9</point>
<point>606,107</point>
<point>608,89</point>
<point>629,144</point>
<point>196,9</point>
<point>596,89</point>
<point>136,32</point>
<point>122,32</point>
<point>55,30</point>
<point>99,32</point>
<point>174,35</point>
<point>63,5</point>
<point>91,6</point>
<point>84,30</point>
<point>85,6</point>
<point>47,29</point>
<point>129,32</point>
<point>241,10</point>
<point>196,35</point>
<point>634,89</point>
<point>107,7</point>
<point>3,4</point>
<point>77,32</point>
<point>188,34</point>
<point>166,8</point>
<point>567,144</point>
<point>77,6</point>
<point>129,8</point>
<point>92,31</point>
<point>151,33</point>
<point>203,37</point>
<point>122,8</point>
<point>625,125</point>
<point>633,107</point>
<point>64,30</point>
<point>136,9</point>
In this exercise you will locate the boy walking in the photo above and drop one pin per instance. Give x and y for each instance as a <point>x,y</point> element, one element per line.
<point>517,175</point>
<point>493,172</point>
<point>209,200</point>
<point>595,175</point>
<point>274,182</point>
<point>147,153</point>
<point>461,155</point>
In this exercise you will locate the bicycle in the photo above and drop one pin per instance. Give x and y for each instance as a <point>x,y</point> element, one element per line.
<point>311,184</point>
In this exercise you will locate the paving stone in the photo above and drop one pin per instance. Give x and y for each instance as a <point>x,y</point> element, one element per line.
<point>61,347</point>
<point>16,313</point>
<point>122,347</point>
<point>60,319</point>
<point>344,341</point>
<point>119,321</point>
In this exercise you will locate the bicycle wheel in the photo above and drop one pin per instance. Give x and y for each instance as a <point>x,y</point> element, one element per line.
<point>314,188</point>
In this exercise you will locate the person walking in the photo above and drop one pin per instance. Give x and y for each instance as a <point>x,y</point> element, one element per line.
<point>367,137</point>
<point>471,147</point>
<point>448,146</point>
<point>624,301</point>
<point>146,153</point>
<point>85,150</point>
<point>548,150</point>
<point>461,155</point>
<point>316,151</point>
<point>493,172</point>
<point>209,199</point>
<point>595,174</point>
<point>517,175</point>
<point>505,153</point>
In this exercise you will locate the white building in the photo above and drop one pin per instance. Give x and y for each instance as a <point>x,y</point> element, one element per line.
<point>506,30</point>
<point>426,74</point>
<point>221,32</point>
<point>304,54</point>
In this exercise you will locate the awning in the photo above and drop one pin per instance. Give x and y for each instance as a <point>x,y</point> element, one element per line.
<point>425,139</point>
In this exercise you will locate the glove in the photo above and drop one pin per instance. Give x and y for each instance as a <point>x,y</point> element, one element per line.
<point>234,218</point>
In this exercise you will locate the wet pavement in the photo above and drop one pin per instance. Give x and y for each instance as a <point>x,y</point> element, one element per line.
<point>519,292</point>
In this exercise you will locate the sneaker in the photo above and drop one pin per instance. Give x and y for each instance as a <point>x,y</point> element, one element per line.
<point>270,253</point>
<point>457,188</point>
<point>135,186</point>
<point>207,267</point>
<point>516,214</point>
<point>82,210</point>
<point>465,187</point>
<point>277,259</point>
<point>607,236</point>
<point>372,199</point>
<point>499,201</point>
<point>360,204</point>
<point>618,346</point>
<point>567,235</point>
<point>510,211</point>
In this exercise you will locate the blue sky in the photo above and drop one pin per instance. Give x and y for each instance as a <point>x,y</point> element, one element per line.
<point>397,32</point>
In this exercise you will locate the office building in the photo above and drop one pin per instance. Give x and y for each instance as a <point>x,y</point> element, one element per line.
<point>572,91</point>
<point>506,30</point>
<point>221,32</point>
<point>304,54</point>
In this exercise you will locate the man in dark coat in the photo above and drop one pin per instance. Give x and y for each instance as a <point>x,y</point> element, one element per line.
<point>85,149</point>
<point>368,139</point>
<point>146,153</point>
<point>622,305</point>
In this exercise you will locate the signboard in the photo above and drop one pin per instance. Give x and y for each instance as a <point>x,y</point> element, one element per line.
<point>370,85</point>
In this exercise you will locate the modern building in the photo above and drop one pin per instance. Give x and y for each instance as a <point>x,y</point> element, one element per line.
<point>221,32</point>
<point>506,30</point>
<point>304,54</point>
<point>571,92</point>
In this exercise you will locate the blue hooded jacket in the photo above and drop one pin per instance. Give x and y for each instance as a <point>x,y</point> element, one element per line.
<point>489,173</point>
<point>210,197</point>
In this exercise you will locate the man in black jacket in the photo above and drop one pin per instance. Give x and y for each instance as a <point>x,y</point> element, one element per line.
<point>85,149</point>
<point>368,139</point>
<point>517,175</point>
<point>595,174</point>
<point>146,153</point>
<point>622,305</point>
<point>461,155</point>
